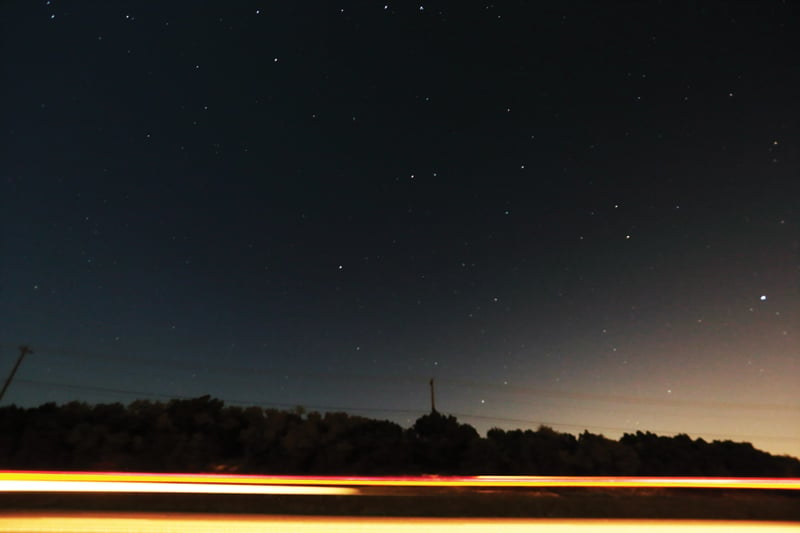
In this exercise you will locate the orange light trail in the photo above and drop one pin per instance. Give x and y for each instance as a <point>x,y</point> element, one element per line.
<point>167,523</point>
<point>19,481</point>
<point>151,487</point>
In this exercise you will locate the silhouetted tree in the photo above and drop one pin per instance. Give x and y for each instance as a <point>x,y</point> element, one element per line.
<point>440,443</point>
<point>202,434</point>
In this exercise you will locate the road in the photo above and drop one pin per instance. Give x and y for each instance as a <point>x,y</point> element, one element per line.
<point>109,501</point>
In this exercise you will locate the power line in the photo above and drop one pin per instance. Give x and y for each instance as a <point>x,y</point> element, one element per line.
<point>249,372</point>
<point>330,408</point>
<point>616,398</point>
<point>261,403</point>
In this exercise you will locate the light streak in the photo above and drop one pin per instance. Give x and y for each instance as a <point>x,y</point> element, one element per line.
<point>212,523</point>
<point>150,487</point>
<point>18,481</point>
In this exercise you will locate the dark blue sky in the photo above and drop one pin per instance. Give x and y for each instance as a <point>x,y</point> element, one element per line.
<point>567,213</point>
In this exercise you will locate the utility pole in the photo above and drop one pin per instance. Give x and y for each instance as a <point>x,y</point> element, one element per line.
<point>23,351</point>
<point>433,397</point>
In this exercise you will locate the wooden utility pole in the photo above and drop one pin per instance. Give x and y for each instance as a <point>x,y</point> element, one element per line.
<point>23,351</point>
<point>433,397</point>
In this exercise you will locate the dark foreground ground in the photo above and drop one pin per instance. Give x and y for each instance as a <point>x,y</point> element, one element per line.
<point>702,504</point>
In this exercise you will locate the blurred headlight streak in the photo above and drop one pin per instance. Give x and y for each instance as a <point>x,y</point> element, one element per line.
<point>232,523</point>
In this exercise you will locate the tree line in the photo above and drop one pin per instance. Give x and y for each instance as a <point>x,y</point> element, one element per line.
<point>205,435</point>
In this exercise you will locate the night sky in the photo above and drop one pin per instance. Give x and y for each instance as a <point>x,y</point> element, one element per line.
<point>567,214</point>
